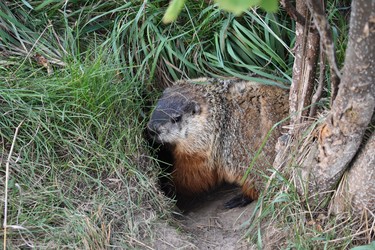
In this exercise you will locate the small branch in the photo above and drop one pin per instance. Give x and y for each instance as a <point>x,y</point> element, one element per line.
<point>6,185</point>
<point>318,93</point>
<point>325,32</point>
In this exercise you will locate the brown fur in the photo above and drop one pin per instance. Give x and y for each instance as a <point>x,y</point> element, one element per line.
<point>214,129</point>
<point>190,175</point>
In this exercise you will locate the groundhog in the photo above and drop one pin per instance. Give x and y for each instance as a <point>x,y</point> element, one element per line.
<point>213,128</point>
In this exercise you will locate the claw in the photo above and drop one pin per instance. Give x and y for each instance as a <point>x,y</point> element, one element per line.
<point>237,201</point>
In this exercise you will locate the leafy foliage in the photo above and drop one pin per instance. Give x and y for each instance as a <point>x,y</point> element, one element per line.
<point>236,7</point>
<point>173,11</point>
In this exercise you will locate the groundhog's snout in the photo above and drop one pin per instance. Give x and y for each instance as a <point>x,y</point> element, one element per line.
<point>159,119</point>
<point>156,123</point>
<point>153,128</point>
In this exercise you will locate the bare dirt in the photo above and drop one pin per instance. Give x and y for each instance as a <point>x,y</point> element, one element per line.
<point>206,224</point>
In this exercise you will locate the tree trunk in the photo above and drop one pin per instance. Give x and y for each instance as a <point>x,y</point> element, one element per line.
<point>342,132</point>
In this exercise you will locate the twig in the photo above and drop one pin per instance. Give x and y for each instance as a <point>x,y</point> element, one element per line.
<point>6,184</point>
<point>318,93</point>
<point>141,243</point>
<point>348,237</point>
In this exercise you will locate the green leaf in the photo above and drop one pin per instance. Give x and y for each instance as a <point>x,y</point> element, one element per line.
<point>237,7</point>
<point>365,247</point>
<point>27,4</point>
<point>269,5</point>
<point>173,10</point>
<point>44,4</point>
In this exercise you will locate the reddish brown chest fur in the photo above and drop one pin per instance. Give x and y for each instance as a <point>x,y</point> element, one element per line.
<point>192,174</point>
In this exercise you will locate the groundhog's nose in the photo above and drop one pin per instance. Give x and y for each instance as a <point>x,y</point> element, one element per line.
<point>153,128</point>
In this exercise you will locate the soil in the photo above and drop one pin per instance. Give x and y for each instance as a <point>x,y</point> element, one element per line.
<point>206,224</point>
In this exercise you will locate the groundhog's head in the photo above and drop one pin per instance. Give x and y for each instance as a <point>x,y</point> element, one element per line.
<point>178,116</point>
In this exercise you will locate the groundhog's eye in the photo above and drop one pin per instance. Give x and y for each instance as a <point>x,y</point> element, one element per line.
<point>176,118</point>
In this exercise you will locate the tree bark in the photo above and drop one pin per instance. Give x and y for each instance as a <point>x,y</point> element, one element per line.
<point>342,133</point>
<point>304,68</point>
<point>357,191</point>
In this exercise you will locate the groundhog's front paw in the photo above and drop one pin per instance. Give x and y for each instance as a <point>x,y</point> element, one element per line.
<point>237,201</point>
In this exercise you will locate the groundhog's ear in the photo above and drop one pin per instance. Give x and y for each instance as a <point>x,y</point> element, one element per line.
<point>197,108</point>
<point>193,108</point>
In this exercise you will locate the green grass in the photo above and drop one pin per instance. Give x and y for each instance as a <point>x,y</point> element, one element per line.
<point>203,41</point>
<point>80,174</point>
